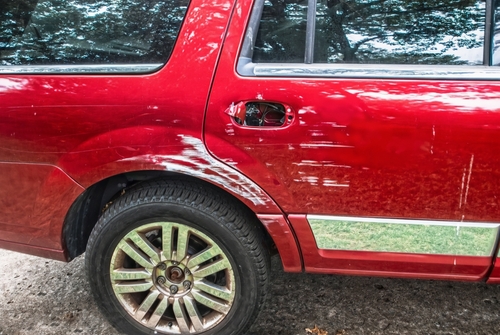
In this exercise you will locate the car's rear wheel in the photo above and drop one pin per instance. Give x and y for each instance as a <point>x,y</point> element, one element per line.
<point>177,258</point>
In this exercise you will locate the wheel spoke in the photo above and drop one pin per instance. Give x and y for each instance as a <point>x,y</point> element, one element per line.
<point>211,302</point>
<point>213,289</point>
<point>135,254</point>
<point>180,316</point>
<point>141,274</point>
<point>167,240</point>
<point>145,246</point>
<point>203,256</point>
<point>158,313</point>
<point>211,268</point>
<point>132,287</point>
<point>194,314</point>
<point>182,243</point>
<point>146,305</point>
<point>130,274</point>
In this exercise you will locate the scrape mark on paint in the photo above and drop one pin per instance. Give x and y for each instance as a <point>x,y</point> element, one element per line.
<point>197,162</point>
<point>433,138</point>
<point>464,191</point>
<point>468,179</point>
<point>462,188</point>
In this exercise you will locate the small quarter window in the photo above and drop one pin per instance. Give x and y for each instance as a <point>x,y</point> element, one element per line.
<point>88,32</point>
<point>282,32</point>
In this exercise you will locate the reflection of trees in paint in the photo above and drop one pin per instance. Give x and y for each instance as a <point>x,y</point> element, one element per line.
<point>375,31</point>
<point>88,31</point>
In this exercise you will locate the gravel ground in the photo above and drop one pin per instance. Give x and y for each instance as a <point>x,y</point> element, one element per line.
<point>40,296</point>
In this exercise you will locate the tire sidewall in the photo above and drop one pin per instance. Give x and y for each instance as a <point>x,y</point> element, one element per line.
<point>116,224</point>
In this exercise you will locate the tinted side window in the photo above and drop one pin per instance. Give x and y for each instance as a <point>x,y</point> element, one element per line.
<point>282,32</point>
<point>496,35</point>
<point>400,31</point>
<point>56,32</point>
<point>447,32</point>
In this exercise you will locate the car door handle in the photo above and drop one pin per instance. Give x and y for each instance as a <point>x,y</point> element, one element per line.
<point>260,114</point>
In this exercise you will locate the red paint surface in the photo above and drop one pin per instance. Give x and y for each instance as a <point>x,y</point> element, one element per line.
<point>33,250</point>
<point>424,149</point>
<point>96,126</point>
<point>281,233</point>
<point>34,199</point>
<point>364,147</point>
<point>494,277</point>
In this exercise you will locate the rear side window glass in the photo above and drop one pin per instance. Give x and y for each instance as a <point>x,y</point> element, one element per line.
<point>445,32</point>
<point>60,32</point>
<point>282,32</point>
<point>449,32</point>
<point>496,35</point>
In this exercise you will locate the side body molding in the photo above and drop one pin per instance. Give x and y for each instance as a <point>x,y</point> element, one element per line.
<point>397,248</point>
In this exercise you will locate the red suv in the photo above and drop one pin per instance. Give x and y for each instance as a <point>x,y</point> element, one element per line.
<point>179,143</point>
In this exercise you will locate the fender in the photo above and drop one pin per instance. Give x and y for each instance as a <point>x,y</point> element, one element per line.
<point>39,229</point>
<point>184,154</point>
<point>151,148</point>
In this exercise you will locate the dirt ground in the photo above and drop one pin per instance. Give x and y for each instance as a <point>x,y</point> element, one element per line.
<point>39,296</point>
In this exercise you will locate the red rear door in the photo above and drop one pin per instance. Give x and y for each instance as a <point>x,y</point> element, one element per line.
<point>379,139</point>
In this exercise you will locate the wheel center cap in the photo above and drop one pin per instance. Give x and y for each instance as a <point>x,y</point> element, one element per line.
<point>175,274</point>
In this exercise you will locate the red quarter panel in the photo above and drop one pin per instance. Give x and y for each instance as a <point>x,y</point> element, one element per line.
<point>96,126</point>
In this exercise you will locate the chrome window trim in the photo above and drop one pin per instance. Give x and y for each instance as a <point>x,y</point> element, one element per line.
<point>310,31</point>
<point>246,68</point>
<point>252,29</point>
<point>404,236</point>
<point>368,71</point>
<point>488,33</point>
<point>88,69</point>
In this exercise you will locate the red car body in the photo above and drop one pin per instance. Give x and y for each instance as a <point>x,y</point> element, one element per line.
<point>411,149</point>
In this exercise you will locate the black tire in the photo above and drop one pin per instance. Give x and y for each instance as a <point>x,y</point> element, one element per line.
<point>210,218</point>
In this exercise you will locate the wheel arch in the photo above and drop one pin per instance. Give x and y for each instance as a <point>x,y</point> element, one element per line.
<point>87,208</point>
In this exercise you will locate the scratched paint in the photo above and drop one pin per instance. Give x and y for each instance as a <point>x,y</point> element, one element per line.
<point>466,178</point>
<point>195,161</point>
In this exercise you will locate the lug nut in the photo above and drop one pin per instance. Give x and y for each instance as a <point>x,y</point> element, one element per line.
<point>175,263</point>
<point>187,272</point>
<point>162,267</point>
<point>161,280</point>
<point>187,284</point>
<point>173,289</point>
